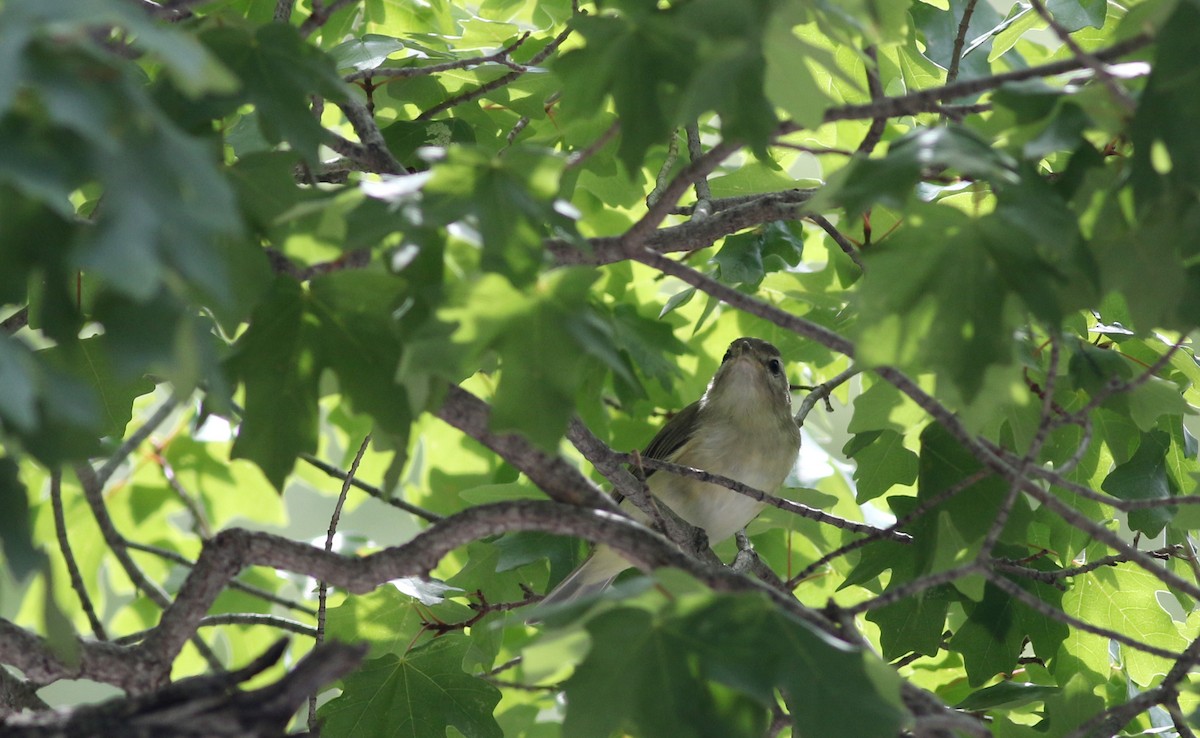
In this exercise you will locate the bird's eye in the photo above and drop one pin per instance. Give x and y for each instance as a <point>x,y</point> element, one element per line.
<point>775,366</point>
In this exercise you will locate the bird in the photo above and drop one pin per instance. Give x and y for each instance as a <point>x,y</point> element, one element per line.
<point>741,428</point>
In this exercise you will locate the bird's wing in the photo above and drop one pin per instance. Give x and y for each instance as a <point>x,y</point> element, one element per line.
<point>674,434</point>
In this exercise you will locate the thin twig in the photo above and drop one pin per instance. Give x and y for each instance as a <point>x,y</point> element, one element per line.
<point>323,588</point>
<point>703,192</point>
<point>875,87</point>
<point>843,243</point>
<point>1045,423</point>
<point>915,587</point>
<point>926,101</point>
<point>497,83</point>
<point>135,439</point>
<point>64,546</point>
<point>662,179</point>
<point>321,15</point>
<point>822,392</point>
<point>200,524</point>
<point>577,158</point>
<point>960,38</point>
<point>500,57</point>
<point>372,490</point>
<point>93,492</point>
<point>15,322</point>
<point>249,589</point>
<point>951,491</point>
<point>1122,97</point>
<point>233,618</point>
<point>786,505</point>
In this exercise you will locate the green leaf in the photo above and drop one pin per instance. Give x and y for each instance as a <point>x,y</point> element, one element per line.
<point>1144,477</point>
<point>537,392</point>
<point>90,362</point>
<point>17,401</point>
<point>633,664</point>
<point>420,694</point>
<point>939,27</point>
<point>746,258</point>
<point>944,463</point>
<point>1124,599</point>
<point>357,336</point>
<point>367,52</point>
<point>740,642</point>
<point>511,201</point>
<point>1007,694</point>
<point>914,624</point>
<point>1077,14</point>
<point>881,464</point>
<point>279,72</point>
<point>404,137</point>
<point>1172,95</point>
<point>739,261</point>
<point>389,621</point>
<point>649,345</point>
<point>664,66</point>
<point>990,640</point>
<point>21,554</point>
<point>275,360</point>
<point>892,180</point>
<point>788,81</point>
<point>1154,399</point>
<point>1074,704</point>
<point>823,679</point>
<point>928,299</point>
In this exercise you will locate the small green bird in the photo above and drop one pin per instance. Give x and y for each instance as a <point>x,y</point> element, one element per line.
<point>742,428</point>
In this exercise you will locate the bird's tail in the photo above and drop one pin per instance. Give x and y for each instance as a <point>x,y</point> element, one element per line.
<point>593,575</point>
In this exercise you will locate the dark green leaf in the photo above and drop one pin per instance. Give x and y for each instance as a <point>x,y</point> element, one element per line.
<point>18,400</point>
<point>279,72</point>
<point>892,180</point>
<point>90,363</point>
<point>1006,694</point>
<point>275,360</point>
<point>405,137</point>
<point>357,336</point>
<point>1144,477</point>
<point>1077,14</point>
<point>419,694</point>
<point>914,624</point>
<point>881,464</point>
<point>928,298</point>
<point>21,555</point>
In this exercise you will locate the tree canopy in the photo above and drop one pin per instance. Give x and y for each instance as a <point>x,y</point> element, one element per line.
<point>339,319</point>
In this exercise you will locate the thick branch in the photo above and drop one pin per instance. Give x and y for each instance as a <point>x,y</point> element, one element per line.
<point>211,706</point>
<point>231,550</point>
<point>552,473</point>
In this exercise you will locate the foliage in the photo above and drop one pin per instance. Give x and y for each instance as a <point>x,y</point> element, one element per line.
<point>240,236</point>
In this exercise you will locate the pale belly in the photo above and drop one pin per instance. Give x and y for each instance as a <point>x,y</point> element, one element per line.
<point>719,511</point>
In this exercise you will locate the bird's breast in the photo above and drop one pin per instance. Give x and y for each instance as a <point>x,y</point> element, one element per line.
<point>758,456</point>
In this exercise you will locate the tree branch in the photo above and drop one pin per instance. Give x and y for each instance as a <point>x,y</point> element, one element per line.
<point>557,478</point>
<point>499,57</point>
<point>928,101</point>
<point>208,705</point>
<point>499,82</point>
<point>690,236</point>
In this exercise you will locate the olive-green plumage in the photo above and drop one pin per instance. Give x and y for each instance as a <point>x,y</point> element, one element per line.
<point>742,428</point>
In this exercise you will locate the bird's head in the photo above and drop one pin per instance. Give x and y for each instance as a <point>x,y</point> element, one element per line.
<point>751,378</point>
